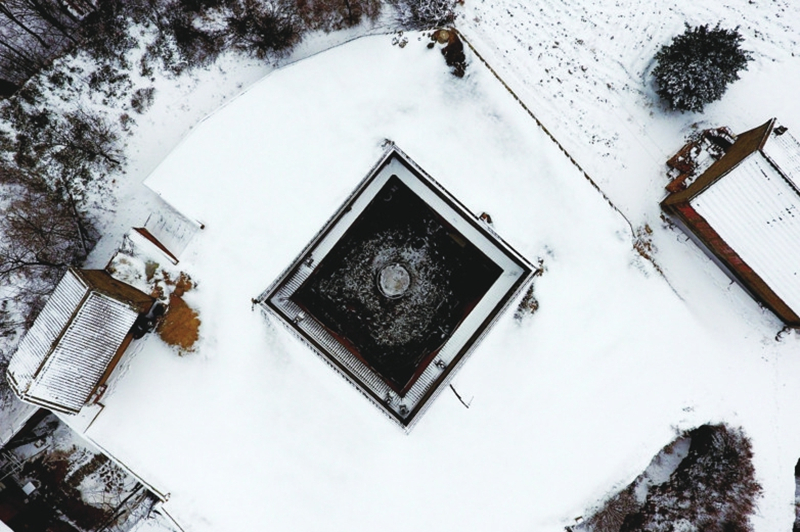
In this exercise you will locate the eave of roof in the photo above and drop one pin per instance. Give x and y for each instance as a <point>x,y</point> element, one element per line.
<point>746,144</point>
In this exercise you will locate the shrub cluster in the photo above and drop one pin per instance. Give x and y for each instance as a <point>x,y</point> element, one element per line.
<point>712,490</point>
<point>423,14</point>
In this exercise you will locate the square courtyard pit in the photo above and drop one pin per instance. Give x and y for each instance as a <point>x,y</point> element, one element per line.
<point>398,287</point>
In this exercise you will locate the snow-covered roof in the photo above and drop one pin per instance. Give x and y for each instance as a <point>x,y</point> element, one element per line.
<point>783,150</point>
<point>61,359</point>
<point>746,210</point>
<point>168,230</point>
<point>757,212</point>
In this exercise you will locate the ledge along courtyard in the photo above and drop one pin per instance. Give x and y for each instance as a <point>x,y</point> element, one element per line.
<point>398,287</point>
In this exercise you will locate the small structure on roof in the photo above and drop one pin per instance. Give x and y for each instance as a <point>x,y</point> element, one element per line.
<point>744,210</point>
<point>398,287</point>
<point>77,340</point>
<point>167,231</point>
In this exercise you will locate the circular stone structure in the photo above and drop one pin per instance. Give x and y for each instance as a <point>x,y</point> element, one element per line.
<point>394,281</point>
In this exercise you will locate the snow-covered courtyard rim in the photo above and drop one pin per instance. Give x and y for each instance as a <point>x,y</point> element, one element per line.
<point>398,287</point>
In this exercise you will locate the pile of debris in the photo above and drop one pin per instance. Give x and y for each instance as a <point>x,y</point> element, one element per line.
<point>697,156</point>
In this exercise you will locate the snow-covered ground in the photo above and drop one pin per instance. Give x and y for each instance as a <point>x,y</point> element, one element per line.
<point>181,102</point>
<point>253,432</point>
<point>584,68</point>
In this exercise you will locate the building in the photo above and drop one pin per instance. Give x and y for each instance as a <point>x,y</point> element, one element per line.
<point>744,210</point>
<point>398,287</point>
<point>77,340</point>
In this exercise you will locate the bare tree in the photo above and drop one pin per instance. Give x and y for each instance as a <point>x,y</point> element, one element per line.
<point>72,152</point>
<point>52,169</point>
<point>331,15</point>
<point>33,32</point>
<point>264,28</point>
<point>41,236</point>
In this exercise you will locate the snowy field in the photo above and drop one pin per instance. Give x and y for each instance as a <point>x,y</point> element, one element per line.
<point>585,70</point>
<point>253,432</point>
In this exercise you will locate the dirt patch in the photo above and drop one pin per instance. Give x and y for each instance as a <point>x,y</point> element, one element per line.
<point>181,324</point>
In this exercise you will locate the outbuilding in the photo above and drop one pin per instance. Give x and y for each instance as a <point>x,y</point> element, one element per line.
<point>744,211</point>
<point>77,340</point>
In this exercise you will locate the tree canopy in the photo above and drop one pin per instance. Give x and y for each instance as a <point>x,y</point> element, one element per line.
<point>696,68</point>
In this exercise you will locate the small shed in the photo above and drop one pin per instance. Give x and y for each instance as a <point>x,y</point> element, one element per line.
<point>77,340</point>
<point>744,211</point>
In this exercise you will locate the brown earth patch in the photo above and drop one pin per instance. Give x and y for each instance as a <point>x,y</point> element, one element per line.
<point>181,325</point>
<point>181,285</point>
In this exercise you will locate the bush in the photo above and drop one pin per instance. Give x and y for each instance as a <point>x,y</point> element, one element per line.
<point>196,46</point>
<point>696,68</point>
<point>423,14</point>
<point>333,15</point>
<point>105,35</point>
<point>142,99</point>
<point>712,490</point>
<point>703,481</point>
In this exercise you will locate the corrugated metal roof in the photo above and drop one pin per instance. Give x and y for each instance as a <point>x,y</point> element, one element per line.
<point>784,151</point>
<point>37,344</point>
<point>757,212</point>
<point>73,340</point>
<point>84,352</point>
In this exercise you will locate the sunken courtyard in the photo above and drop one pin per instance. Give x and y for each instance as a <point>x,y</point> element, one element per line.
<point>398,287</point>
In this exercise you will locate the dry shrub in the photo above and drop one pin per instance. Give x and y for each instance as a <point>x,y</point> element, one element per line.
<point>180,326</point>
<point>183,284</point>
<point>157,291</point>
<point>643,243</point>
<point>713,489</point>
<point>529,304</point>
<point>611,516</point>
